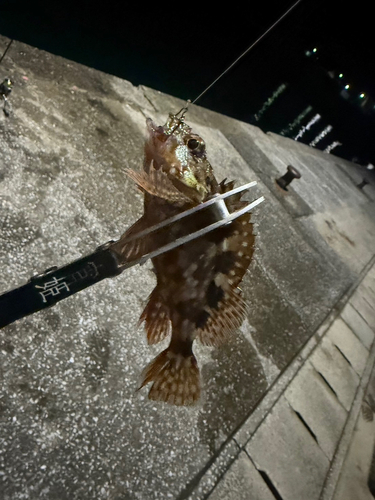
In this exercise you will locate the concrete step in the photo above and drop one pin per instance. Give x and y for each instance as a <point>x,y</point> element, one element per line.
<point>312,440</point>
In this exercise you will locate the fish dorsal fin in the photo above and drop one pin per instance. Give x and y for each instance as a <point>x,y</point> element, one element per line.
<point>241,245</point>
<point>221,319</point>
<point>233,202</point>
<point>224,321</point>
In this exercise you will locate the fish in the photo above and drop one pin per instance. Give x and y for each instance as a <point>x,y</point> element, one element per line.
<point>197,294</point>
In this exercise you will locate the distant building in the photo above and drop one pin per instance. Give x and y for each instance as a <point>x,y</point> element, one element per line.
<point>323,106</point>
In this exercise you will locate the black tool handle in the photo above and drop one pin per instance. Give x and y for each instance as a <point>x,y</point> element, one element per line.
<point>55,284</point>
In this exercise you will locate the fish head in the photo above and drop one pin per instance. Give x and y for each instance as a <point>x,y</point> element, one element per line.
<point>181,154</point>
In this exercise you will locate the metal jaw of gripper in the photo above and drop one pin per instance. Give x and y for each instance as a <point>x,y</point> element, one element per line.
<point>217,206</point>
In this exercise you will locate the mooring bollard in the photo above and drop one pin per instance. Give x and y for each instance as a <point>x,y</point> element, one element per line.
<point>285,180</point>
<point>362,184</point>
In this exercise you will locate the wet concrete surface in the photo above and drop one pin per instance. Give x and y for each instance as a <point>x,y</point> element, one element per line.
<point>71,424</point>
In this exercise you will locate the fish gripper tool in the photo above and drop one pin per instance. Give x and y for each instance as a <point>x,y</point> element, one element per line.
<point>57,283</point>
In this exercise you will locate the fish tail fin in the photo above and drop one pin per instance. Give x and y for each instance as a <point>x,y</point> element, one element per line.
<point>175,377</point>
<point>156,318</point>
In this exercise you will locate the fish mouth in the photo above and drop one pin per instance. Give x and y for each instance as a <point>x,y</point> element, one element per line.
<point>156,131</point>
<point>174,126</point>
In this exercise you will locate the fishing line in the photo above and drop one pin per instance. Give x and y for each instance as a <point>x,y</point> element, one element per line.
<point>5,51</point>
<point>245,52</point>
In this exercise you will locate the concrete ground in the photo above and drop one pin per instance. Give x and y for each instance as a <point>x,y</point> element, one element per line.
<point>313,434</point>
<point>283,402</point>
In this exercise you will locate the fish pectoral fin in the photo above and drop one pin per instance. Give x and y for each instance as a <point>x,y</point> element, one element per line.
<point>157,183</point>
<point>221,323</point>
<point>156,317</point>
<point>175,378</point>
<point>136,248</point>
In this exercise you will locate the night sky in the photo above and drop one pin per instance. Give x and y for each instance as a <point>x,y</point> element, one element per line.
<point>180,48</point>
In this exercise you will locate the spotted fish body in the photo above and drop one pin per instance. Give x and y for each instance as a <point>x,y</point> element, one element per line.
<point>196,294</point>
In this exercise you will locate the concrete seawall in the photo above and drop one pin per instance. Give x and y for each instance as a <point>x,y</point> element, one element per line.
<point>281,401</point>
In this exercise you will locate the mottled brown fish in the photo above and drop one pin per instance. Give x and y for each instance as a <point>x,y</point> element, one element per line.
<point>197,294</point>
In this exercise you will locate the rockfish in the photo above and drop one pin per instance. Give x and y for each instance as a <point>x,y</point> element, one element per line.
<point>196,294</point>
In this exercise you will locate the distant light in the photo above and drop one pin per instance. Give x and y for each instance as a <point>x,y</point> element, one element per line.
<point>362,95</point>
<point>341,75</point>
<point>315,49</point>
<point>347,87</point>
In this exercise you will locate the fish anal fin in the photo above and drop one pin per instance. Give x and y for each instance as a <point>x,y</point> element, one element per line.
<point>156,318</point>
<point>175,378</point>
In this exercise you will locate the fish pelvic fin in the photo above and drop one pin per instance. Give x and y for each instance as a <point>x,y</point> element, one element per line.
<point>175,378</point>
<point>156,317</point>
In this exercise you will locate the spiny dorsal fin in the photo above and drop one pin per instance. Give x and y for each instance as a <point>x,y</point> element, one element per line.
<point>225,186</point>
<point>233,202</point>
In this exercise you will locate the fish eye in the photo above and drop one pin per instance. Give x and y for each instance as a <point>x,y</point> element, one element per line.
<point>193,144</point>
<point>196,146</point>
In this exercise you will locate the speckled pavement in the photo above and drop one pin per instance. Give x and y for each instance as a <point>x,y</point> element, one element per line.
<point>71,424</point>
